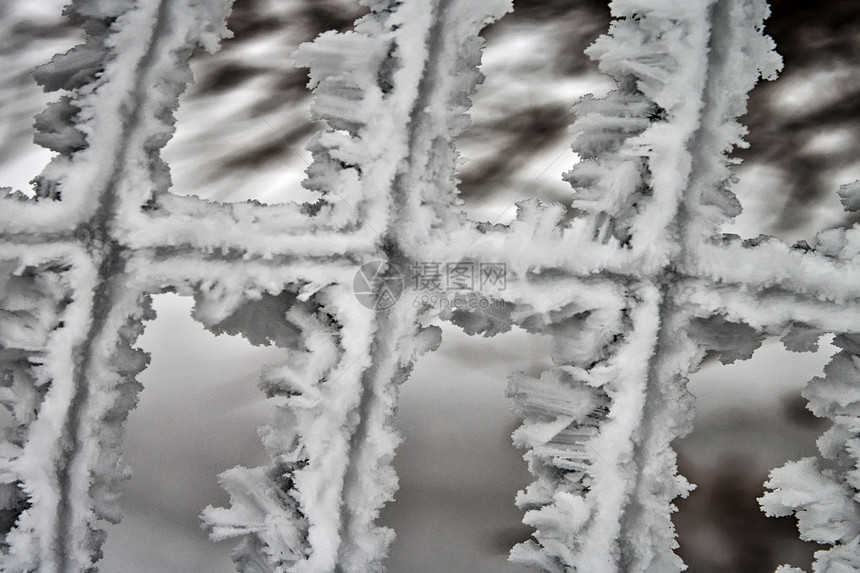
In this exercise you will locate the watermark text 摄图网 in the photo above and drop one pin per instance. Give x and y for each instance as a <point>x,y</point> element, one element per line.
<point>379,285</point>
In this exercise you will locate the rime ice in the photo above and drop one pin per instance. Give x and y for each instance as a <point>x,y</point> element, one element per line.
<point>635,290</point>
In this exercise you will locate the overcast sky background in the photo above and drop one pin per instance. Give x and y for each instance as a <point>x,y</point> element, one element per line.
<point>242,130</point>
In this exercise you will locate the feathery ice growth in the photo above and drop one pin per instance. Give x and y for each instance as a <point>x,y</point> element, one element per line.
<point>635,289</point>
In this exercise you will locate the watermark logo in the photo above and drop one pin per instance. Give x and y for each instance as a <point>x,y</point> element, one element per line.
<point>378,285</point>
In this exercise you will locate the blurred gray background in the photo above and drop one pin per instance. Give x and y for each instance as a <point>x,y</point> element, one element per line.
<point>241,134</point>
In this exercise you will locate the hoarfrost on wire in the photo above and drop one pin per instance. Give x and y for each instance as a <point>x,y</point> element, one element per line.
<point>635,289</point>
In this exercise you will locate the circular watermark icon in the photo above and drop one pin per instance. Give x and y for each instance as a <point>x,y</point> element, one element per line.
<point>378,285</point>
